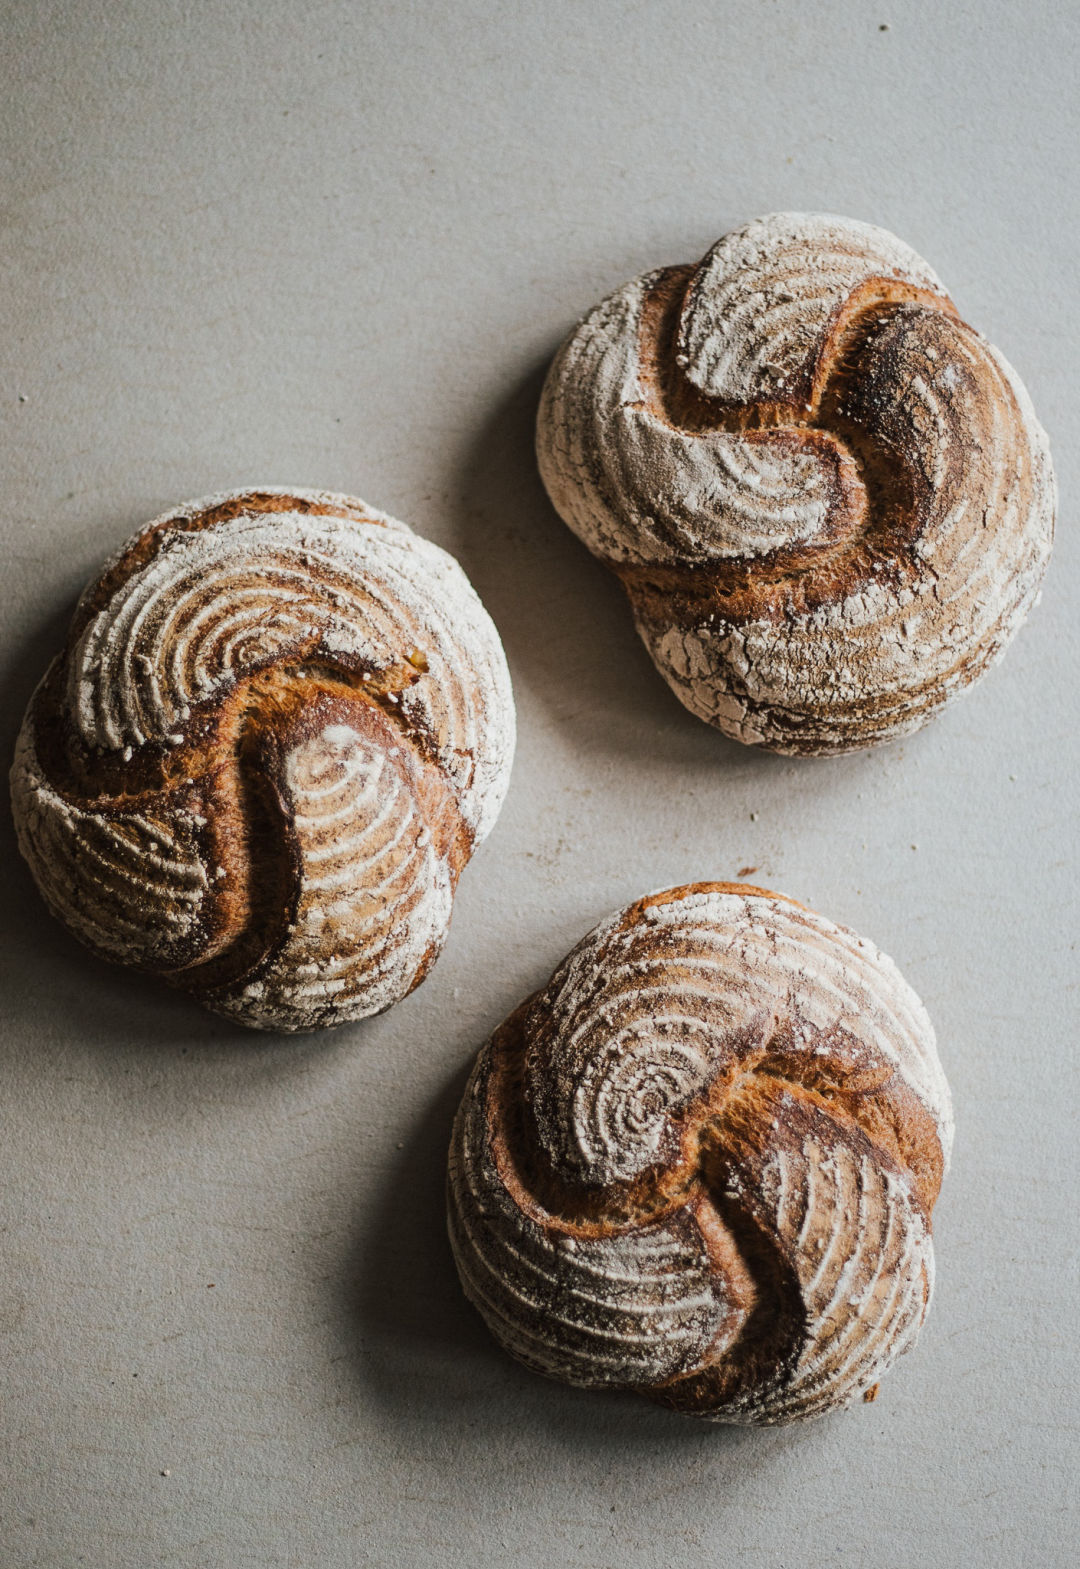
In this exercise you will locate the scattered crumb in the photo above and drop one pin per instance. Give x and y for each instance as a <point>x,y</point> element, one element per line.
<point>883,27</point>
<point>400,1144</point>
<point>870,1394</point>
<point>23,398</point>
<point>744,871</point>
<point>914,847</point>
<point>210,1286</point>
<point>166,1473</point>
<point>753,817</point>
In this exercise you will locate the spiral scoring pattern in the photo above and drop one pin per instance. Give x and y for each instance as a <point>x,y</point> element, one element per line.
<point>765,298</point>
<point>353,587</point>
<point>373,890</point>
<point>828,499</point>
<point>129,883</point>
<point>281,724</point>
<point>701,1162</point>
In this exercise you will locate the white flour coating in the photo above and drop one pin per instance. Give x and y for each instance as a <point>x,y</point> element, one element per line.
<point>378,819</point>
<point>876,614</point>
<point>660,1021</point>
<point>637,1037</point>
<point>636,489</point>
<point>765,295</point>
<point>375,896</point>
<point>633,1307</point>
<point>130,884</point>
<point>218,604</point>
<point>865,1269</point>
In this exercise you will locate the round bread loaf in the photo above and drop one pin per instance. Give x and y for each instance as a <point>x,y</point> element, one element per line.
<point>827,497</point>
<point>280,724</point>
<point>700,1163</point>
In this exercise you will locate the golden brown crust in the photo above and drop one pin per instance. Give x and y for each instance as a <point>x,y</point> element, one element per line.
<point>701,1161</point>
<point>828,499</point>
<point>279,726</point>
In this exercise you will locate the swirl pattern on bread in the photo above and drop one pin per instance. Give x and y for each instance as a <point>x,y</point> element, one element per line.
<point>827,498</point>
<point>281,723</point>
<point>701,1162</point>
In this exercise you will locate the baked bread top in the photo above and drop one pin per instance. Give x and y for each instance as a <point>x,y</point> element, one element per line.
<point>280,724</point>
<point>700,1163</point>
<point>827,497</point>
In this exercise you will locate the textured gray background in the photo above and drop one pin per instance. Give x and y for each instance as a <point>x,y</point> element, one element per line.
<point>334,245</point>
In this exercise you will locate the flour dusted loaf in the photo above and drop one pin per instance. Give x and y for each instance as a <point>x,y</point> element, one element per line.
<point>281,723</point>
<point>827,497</point>
<point>700,1163</point>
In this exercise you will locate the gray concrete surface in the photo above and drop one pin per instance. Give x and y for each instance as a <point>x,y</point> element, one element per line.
<point>335,244</point>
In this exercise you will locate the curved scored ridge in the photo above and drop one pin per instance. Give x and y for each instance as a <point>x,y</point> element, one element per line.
<point>828,499</point>
<point>701,1162</point>
<point>280,725</point>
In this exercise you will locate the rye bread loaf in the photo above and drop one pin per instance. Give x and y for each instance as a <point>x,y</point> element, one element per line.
<point>827,498</point>
<point>701,1162</point>
<point>281,723</point>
